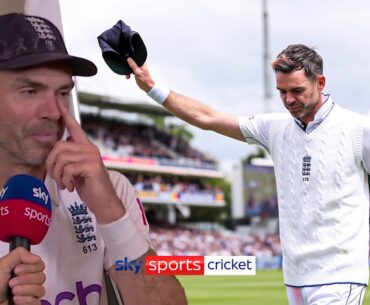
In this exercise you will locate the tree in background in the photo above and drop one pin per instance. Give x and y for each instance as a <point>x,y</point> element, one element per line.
<point>260,153</point>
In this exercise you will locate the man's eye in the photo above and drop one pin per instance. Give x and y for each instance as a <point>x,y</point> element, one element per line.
<point>64,93</point>
<point>29,91</point>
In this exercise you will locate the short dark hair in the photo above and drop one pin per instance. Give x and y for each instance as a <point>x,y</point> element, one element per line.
<point>296,57</point>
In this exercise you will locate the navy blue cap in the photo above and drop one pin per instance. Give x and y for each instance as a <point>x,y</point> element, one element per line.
<point>119,43</point>
<point>27,41</point>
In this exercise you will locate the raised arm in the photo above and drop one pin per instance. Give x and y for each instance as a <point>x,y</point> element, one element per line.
<point>190,110</point>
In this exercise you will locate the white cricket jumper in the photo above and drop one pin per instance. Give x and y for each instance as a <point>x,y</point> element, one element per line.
<point>323,195</point>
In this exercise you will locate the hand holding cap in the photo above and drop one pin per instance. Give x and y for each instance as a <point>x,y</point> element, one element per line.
<point>119,43</point>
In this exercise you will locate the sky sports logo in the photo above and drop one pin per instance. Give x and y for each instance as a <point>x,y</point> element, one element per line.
<point>191,265</point>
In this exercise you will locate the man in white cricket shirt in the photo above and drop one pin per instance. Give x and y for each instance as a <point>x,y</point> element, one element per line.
<point>96,217</point>
<point>321,155</point>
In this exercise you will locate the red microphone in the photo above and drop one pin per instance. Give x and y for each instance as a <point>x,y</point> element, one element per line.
<point>25,211</point>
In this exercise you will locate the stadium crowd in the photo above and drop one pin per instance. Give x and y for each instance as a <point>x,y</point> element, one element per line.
<point>162,183</point>
<point>185,241</point>
<point>175,189</point>
<point>140,140</point>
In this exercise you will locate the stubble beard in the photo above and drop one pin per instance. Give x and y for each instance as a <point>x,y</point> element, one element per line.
<point>23,150</point>
<point>307,109</point>
<point>25,154</point>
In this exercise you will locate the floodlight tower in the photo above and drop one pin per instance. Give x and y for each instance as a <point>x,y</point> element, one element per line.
<point>267,98</point>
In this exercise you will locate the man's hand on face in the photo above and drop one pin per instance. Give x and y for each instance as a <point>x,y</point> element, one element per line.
<point>26,285</point>
<point>77,164</point>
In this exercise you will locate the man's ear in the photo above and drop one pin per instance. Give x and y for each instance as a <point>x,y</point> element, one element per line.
<point>321,82</point>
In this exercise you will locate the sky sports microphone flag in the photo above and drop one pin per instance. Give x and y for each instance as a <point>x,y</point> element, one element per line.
<point>25,209</point>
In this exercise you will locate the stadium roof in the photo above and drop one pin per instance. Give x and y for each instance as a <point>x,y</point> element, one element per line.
<point>108,102</point>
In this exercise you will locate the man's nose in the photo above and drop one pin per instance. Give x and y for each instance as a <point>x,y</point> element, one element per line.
<point>289,98</point>
<point>49,108</point>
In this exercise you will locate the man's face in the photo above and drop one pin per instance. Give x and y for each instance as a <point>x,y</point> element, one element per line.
<point>30,119</point>
<point>300,95</point>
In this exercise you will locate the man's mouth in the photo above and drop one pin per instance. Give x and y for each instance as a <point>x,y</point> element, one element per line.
<point>45,136</point>
<point>294,108</point>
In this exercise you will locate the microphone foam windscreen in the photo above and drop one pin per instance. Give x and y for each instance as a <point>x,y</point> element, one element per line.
<point>25,209</point>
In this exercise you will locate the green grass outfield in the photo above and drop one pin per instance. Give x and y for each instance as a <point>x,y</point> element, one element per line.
<point>266,288</point>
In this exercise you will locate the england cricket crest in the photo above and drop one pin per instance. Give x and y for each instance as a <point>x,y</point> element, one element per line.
<point>306,168</point>
<point>84,229</point>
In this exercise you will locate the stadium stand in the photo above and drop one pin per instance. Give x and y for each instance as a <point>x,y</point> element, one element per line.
<point>188,241</point>
<point>170,175</point>
<point>119,138</point>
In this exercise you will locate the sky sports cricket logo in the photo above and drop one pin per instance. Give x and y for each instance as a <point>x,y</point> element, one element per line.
<point>191,265</point>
